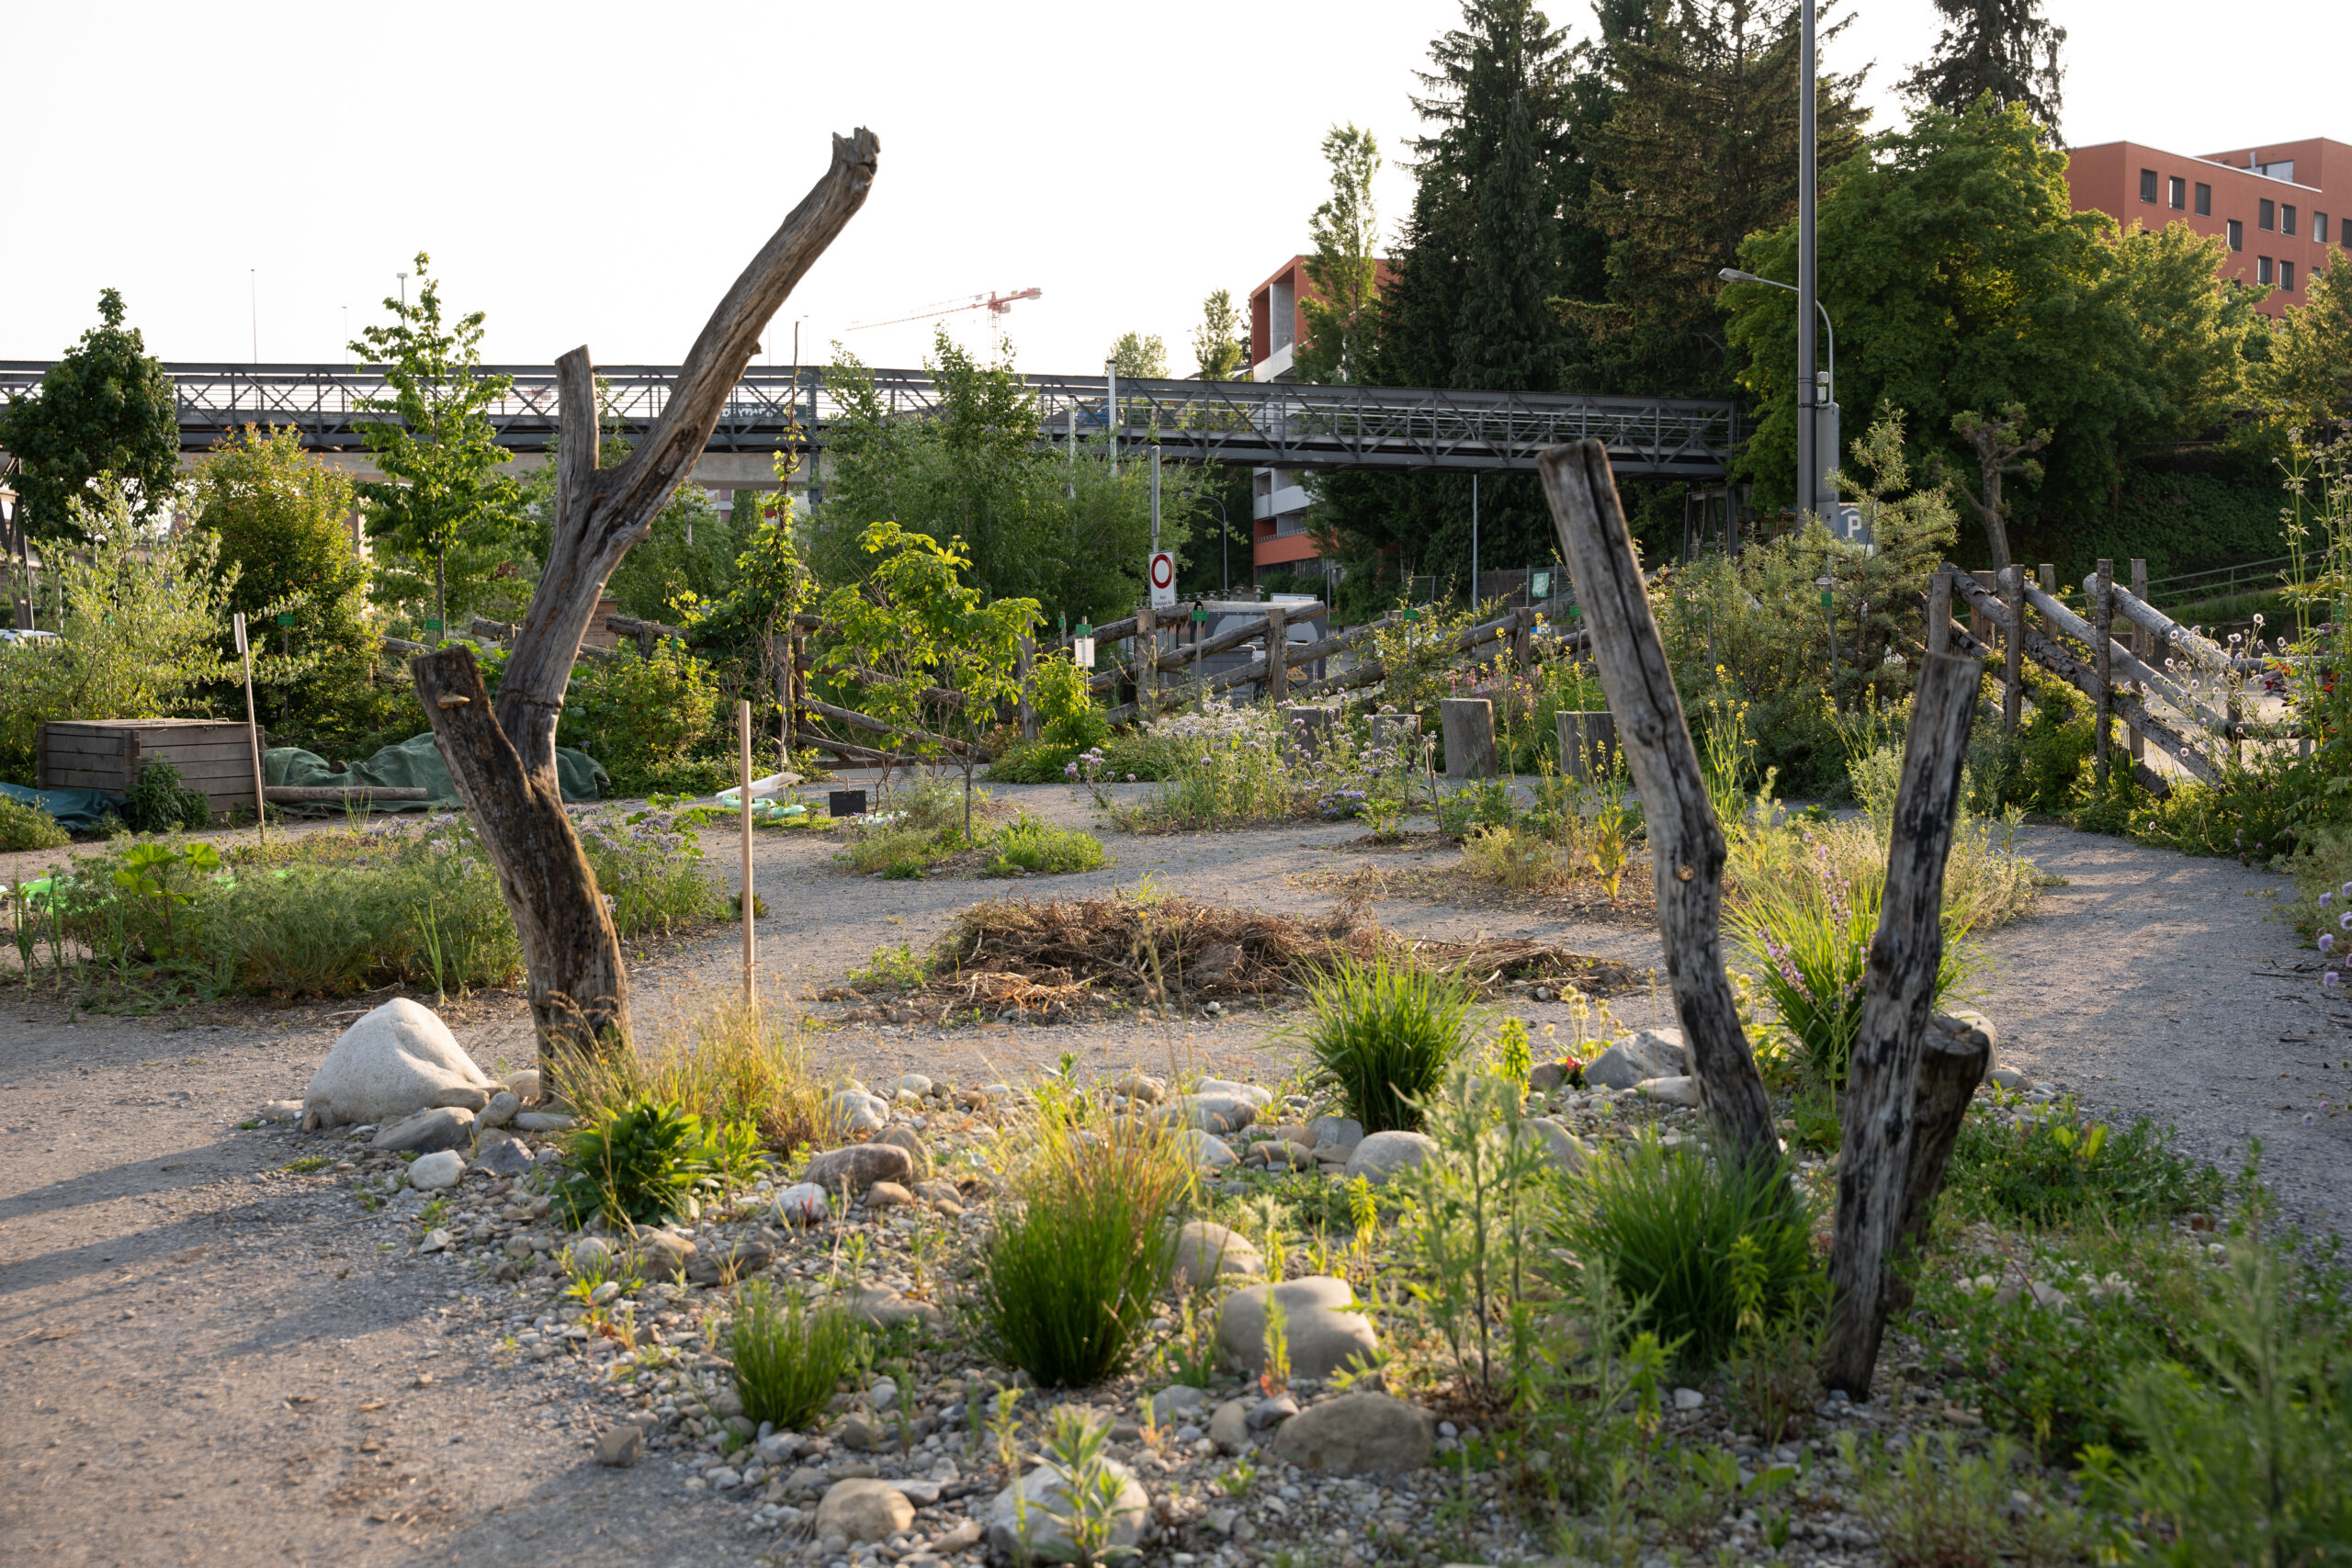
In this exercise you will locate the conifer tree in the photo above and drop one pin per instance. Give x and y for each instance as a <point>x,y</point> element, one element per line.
<point>2007,48</point>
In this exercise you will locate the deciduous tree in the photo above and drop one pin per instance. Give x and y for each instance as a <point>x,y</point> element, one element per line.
<point>1345,266</point>
<point>1220,344</point>
<point>105,408</point>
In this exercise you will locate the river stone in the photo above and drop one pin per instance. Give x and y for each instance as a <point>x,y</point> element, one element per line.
<point>1358,1434</point>
<point>662,1254</point>
<point>620,1446</point>
<point>879,1306</point>
<point>503,1155</point>
<point>1033,1528</point>
<point>1205,1151</point>
<point>723,1262</point>
<point>1139,1086</point>
<point>1545,1077</point>
<point>1383,1154</point>
<point>1562,1149</point>
<point>428,1131</point>
<point>430,1173</point>
<point>1682,1091</point>
<point>864,1510</point>
<point>392,1063</point>
<point>1230,1426</point>
<point>524,1085</point>
<point>915,1084</point>
<point>918,1152</point>
<point>1256,1095</point>
<point>1205,1250</point>
<point>802,1203</point>
<point>860,1165</point>
<point>1645,1053</point>
<point>852,1111</point>
<point>1323,1333</point>
<point>1336,1132</point>
<point>1217,1113</point>
<point>501,1109</point>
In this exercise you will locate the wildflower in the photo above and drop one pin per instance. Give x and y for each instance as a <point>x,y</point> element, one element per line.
<point>2326,940</point>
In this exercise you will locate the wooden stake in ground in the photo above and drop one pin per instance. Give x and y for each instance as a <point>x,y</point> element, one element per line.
<point>1882,1074</point>
<point>751,902</point>
<point>253,733</point>
<point>504,764</point>
<point>1687,848</point>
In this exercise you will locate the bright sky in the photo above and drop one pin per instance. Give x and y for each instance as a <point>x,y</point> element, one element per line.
<point>240,177</point>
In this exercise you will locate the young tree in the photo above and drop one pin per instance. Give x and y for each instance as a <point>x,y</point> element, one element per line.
<point>2007,48</point>
<point>931,653</point>
<point>1345,230</point>
<point>442,498</point>
<point>105,408</point>
<point>1220,342</point>
<point>1140,355</point>
<point>2307,381</point>
<point>1999,442</point>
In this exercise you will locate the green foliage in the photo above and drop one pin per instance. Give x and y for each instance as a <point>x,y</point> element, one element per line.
<point>1931,1505</point>
<point>104,408</point>
<point>1668,1223</point>
<point>1065,701</point>
<point>645,1162</point>
<point>641,716</point>
<point>2055,1163</point>
<point>1221,343</point>
<point>25,826</point>
<point>2001,47</point>
<point>2304,380</point>
<point>1343,314</point>
<point>442,500</point>
<point>890,966</point>
<point>1026,844</point>
<point>1070,1277</point>
<point>788,1356</point>
<point>160,803</point>
<point>1383,1033</point>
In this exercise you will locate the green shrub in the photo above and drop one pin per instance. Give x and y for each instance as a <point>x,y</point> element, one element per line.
<point>645,1162</point>
<point>897,853</point>
<point>788,1356</point>
<point>1041,849</point>
<point>2053,1164</point>
<point>1381,1034</point>
<point>1670,1224</point>
<point>26,827</point>
<point>1072,1275</point>
<point>1066,710</point>
<point>160,803</point>
<point>639,715</point>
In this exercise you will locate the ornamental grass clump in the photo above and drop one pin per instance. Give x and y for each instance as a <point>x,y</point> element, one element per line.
<point>1383,1031</point>
<point>788,1355</point>
<point>730,1063</point>
<point>1084,1252</point>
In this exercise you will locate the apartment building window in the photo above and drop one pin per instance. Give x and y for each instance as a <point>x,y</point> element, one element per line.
<point>2262,273</point>
<point>2148,187</point>
<point>2204,200</point>
<point>2286,277</point>
<point>2237,235</point>
<point>2178,192</point>
<point>2266,217</point>
<point>2286,220</point>
<point>2319,228</point>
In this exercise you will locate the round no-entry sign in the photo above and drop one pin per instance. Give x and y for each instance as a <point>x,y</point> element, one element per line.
<point>1162,576</point>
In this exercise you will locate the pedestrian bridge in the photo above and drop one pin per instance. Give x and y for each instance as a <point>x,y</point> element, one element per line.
<point>1249,423</point>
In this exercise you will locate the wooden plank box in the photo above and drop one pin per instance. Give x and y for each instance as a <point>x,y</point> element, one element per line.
<point>213,756</point>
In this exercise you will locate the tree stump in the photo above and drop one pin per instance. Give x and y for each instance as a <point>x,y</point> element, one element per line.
<point>1587,743</point>
<point>1307,730</point>
<point>1469,724</point>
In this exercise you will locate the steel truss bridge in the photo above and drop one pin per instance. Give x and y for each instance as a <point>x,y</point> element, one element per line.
<point>1252,423</point>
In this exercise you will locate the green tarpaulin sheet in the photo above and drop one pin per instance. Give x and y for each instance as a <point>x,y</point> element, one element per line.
<point>77,810</point>
<point>415,763</point>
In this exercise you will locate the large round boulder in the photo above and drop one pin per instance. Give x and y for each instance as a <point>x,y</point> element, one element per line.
<point>1358,1434</point>
<point>1029,1521</point>
<point>1320,1328</point>
<point>392,1063</point>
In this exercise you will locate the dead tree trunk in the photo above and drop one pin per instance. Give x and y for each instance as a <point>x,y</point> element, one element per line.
<point>1687,848</point>
<point>1883,1075</point>
<point>504,764</point>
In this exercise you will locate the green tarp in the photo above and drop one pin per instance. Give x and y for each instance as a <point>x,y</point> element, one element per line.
<point>416,763</point>
<point>77,810</point>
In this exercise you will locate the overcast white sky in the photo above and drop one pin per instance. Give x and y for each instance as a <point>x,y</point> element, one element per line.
<point>1125,159</point>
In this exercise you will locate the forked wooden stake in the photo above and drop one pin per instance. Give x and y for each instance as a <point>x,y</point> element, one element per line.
<point>1687,848</point>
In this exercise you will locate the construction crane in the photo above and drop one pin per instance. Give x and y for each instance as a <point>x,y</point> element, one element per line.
<point>995,304</point>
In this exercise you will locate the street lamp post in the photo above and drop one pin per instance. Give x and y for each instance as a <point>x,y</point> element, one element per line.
<point>1732,275</point>
<point>1813,412</point>
<point>1225,541</point>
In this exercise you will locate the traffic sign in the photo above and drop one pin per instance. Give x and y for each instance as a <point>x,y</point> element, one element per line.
<point>1162,577</point>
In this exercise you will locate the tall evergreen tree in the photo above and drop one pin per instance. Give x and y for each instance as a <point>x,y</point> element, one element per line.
<point>2007,48</point>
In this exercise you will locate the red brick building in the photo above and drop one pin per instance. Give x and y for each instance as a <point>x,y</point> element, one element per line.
<point>2284,210</point>
<point>1278,503</point>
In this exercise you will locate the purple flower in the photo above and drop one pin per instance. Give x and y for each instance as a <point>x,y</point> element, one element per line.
<point>2324,898</point>
<point>2326,940</point>
<point>2329,978</point>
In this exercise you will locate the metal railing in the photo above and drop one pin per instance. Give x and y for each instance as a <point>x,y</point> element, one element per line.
<point>1273,424</point>
<point>2220,581</point>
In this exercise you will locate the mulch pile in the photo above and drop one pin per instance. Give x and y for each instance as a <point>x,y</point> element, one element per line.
<point>1072,955</point>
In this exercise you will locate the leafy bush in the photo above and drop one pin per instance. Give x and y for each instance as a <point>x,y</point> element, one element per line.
<point>1520,859</point>
<point>645,1162</point>
<point>1381,1034</point>
<point>160,803</point>
<point>1670,1224</point>
<point>788,1356</point>
<point>1041,849</point>
<point>1070,1277</point>
<point>897,852</point>
<point>1066,709</point>
<point>2054,1164</point>
<point>26,827</point>
<point>637,716</point>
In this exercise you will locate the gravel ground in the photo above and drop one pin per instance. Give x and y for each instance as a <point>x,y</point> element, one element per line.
<point>210,1359</point>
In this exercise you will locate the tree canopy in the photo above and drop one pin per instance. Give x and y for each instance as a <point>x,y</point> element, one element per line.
<point>105,408</point>
<point>2007,48</point>
<point>1220,344</point>
<point>1344,266</point>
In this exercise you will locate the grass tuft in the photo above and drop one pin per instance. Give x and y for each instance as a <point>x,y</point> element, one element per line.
<point>1383,1033</point>
<point>788,1355</point>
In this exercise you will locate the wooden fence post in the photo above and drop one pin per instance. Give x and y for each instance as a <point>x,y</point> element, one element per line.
<point>1469,726</point>
<point>2049,575</point>
<point>1979,623</point>
<point>1277,655</point>
<point>1587,743</point>
<point>1882,1074</point>
<point>1940,611</point>
<point>2143,645</point>
<point>1146,646</point>
<point>2103,664</point>
<point>2013,649</point>
<point>1028,689</point>
<point>1687,847</point>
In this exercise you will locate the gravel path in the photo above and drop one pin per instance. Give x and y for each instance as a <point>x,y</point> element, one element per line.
<point>206,1360</point>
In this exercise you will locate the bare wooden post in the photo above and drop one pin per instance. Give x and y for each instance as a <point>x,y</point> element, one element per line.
<point>797,687</point>
<point>1882,1076</point>
<point>1147,665</point>
<point>750,901</point>
<point>2049,575</point>
<point>1940,611</point>
<point>1522,636</point>
<point>1687,848</point>
<point>2013,647</point>
<point>504,764</point>
<point>1978,622</point>
<point>1277,655</point>
<point>1587,743</point>
<point>1469,724</point>
<point>1953,1059</point>
<point>1028,689</point>
<point>1306,728</point>
<point>2144,645</point>
<point>2103,663</point>
<point>253,737</point>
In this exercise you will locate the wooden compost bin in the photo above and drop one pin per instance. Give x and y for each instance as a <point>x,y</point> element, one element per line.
<point>212,755</point>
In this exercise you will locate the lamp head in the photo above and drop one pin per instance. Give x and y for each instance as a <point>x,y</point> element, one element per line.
<point>1732,275</point>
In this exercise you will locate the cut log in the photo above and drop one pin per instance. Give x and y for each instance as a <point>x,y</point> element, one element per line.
<point>504,764</point>
<point>1468,725</point>
<point>1882,1074</point>
<point>1953,1059</point>
<point>1687,848</point>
